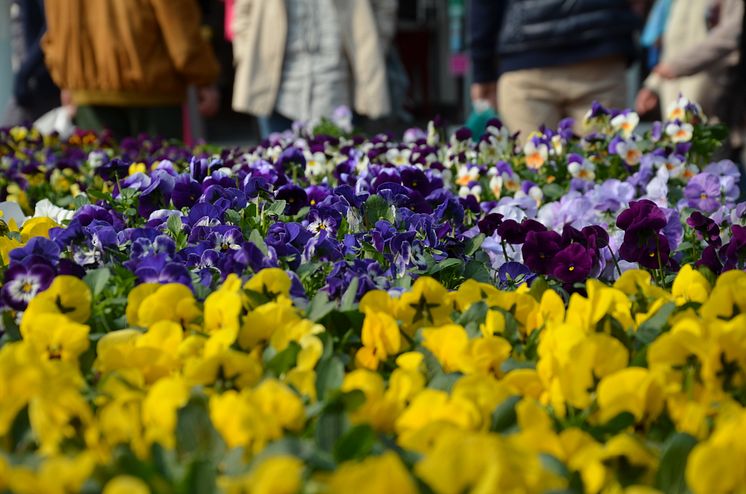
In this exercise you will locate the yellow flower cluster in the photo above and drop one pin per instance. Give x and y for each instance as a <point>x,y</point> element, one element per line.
<point>476,390</point>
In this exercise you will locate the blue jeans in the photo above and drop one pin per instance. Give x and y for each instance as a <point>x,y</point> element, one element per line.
<point>273,123</point>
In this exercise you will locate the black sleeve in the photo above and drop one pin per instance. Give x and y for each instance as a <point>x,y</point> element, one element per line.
<point>32,65</point>
<point>484,29</point>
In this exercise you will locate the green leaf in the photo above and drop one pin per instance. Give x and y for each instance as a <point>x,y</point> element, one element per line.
<point>277,208</point>
<point>653,327</point>
<point>445,264</point>
<point>356,443</point>
<point>477,270</point>
<point>329,376</point>
<point>376,208</point>
<point>284,360</point>
<point>553,191</point>
<point>670,477</point>
<point>329,428</point>
<point>174,224</point>
<point>613,426</point>
<point>80,200</point>
<point>201,478</point>
<point>97,280</point>
<point>476,314</point>
<point>195,434</point>
<point>320,307</point>
<point>348,297</point>
<point>504,416</point>
<point>474,243</point>
<point>256,238</point>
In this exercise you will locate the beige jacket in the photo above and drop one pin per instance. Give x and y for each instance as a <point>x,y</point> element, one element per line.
<point>260,31</point>
<point>699,57</point>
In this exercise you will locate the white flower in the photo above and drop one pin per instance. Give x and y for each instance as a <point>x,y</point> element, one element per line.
<point>320,225</point>
<point>584,170</point>
<point>673,165</point>
<point>625,123</point>
<point>557,145</point>
<point>316,164</point>
<point>496,185</point>
<point>534,193</point>
<point>466,191</point>
<point>629,152</point>
<point>10,210</point>
<point>96,158</point>
<point>679,132</point>
<point>45,208</point>
<point>399,157</point>
<point>466,175</point>
<point>536,156</point>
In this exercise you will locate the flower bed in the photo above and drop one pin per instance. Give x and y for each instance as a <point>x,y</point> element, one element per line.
<point>328,313</point>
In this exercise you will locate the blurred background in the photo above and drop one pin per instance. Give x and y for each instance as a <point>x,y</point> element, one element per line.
<point>431,75</point>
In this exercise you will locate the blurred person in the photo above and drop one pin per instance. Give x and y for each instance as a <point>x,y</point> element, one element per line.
<point>700,61</point>
<point>303,59</point>
<point>540,62</point>
<point>34,93</point>
<point>127,64</point>
<point>700,48</point>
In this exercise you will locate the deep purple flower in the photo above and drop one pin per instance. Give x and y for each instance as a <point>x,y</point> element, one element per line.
<point>710,260</point>
<point>650,251</point>
<point>488,225</point>
<point>643,243</point>
<point>600,236</point>
<point>734,251</point>
<point>705,228</point>
<point>703,192</point>
<point>295,198</point>
<point>292,156</point>
<point>572,264</point>
<point>641,215</point>
<point>539,249</point>
<point>24,280</point>
<point>186,192</point>
<point>511,232</point>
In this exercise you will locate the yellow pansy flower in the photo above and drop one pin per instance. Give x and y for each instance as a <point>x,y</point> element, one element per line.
<point>448,343</point>
<point>690,286</point>
<point>37,227</point>
<point>273,282</point>
<point>373,475</point>
<point>380,338</point>
<point>276,475</point>
<point>635,390</point>
<point>126,484</point>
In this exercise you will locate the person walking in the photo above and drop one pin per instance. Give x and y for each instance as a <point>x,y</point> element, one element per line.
<point>34,93</point>
<point>538,62</point>
<point>699,58</point>
<point>127,64</point>
<point>302,59</point>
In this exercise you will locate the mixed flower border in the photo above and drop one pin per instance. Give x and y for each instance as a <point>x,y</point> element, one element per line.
<point>326,312</point>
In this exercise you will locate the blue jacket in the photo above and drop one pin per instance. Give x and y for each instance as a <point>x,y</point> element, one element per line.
<point>508,35</point>
<point>32,79</point>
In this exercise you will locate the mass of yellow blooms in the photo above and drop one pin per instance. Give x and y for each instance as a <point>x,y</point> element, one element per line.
<point>475,390</point>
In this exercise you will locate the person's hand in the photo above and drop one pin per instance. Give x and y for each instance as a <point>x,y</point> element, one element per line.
<point>485,91</point>
<point>208,101</point>
<point>664,71</point>
<point>66,101</point>
<point>646,101</point>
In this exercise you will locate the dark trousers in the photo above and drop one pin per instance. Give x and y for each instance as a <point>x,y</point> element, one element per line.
<point>163,121</point>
